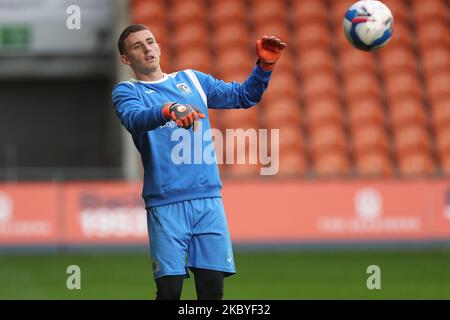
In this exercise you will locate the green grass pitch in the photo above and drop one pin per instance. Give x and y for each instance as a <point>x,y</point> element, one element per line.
<point>261,275</point>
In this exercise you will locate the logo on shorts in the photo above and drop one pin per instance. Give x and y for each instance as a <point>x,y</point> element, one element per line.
<point>229,258</point>
<point>155,265</point>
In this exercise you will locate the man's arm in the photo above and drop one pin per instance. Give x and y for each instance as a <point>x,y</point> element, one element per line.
<point>135,117</point>
<point>233,95</point>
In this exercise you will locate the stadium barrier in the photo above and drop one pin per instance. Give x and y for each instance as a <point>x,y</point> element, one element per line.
<point>97,213</point>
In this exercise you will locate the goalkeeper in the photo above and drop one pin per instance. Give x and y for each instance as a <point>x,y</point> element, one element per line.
<point>185,214</point>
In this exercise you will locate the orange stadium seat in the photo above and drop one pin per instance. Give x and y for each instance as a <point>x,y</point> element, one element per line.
<point>364,112</point>
<point>433,33</point>
<point>311,35</point>
<point>314,60</point>
<point>243,170</point>
<point>215,118</point>
<point>291,137</point>
<point>233,150</point>
<point>374,164</point>
<point>234,58</point>
<point>416,163</point>
<point>243,118</point>
<point>340,41</point>
<point>227,11</point>
<point>322,112</point>
<point>160,32</point>
<point>231,34</point>
<point>217,34</point>
<point>440,114</point>
<point>148,11</point>
<point>282,111</point>
<point>237,75</point>
<point>359,86</point>
<point>407,111</point>
<point>304,12</point>
<point>166,61</point>
<point>191,34</point>
<point>286,63</point>
<point>192,58</point>
<point>402,85</point>
<point>443,140</point>
<point>318,86</point>
<point>223,170</point>
<point>250,144</point>
<point>276,29</point>
<point>401,37</point>
<point>232,74</point>
<point>187,11</point>
<point>444,153</point>
<point>438,86</point>
<point>282,83</point>
<point>356,61</point>
<point>440,103</point>
<point>430,10</point>
<point>399,10</point>
<point>368,138</point>
<point>330,164</point>
<point>292,163</point>
<point>327,137</point>
<point>175,2</point>
<point>410,138</point>
<point>444,160</point>
<point>263,11</point>
<point>338,10</point>
<point>396,59</point>
<point>435,59</point>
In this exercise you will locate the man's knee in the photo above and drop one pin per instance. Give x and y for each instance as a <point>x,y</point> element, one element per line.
<point>208,284</point>
<point>169,287</point>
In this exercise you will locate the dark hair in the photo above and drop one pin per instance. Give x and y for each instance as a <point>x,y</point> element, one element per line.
<point>126,32</point>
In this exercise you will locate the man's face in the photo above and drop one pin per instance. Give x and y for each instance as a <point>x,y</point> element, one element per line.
<point>142,52</point>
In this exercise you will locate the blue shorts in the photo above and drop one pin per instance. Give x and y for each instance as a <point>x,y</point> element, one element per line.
<point>193,229</point>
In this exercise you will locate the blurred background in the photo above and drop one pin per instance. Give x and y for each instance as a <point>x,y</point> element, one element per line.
<point>364,148</point>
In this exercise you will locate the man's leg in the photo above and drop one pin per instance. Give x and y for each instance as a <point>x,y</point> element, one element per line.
<point>169,287</point>
<point>210,254</point>
<point>208,284</point>
<point>169,235</point>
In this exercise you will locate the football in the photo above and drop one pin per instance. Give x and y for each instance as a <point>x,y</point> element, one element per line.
<point>368,25</point>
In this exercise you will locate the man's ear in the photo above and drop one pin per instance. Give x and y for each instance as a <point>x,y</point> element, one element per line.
<point>159,46</point>
<point>124,59</point>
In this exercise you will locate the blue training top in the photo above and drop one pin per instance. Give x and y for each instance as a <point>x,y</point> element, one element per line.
<point>138,105</point>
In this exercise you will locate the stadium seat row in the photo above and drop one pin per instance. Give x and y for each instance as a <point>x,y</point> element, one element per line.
<point>340,111</point>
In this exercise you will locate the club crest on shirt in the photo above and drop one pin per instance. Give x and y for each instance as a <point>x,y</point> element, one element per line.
<point>183,87</point>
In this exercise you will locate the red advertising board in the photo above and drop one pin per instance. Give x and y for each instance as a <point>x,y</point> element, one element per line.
<point>105,213</point>
<point>331,211</point>
<point>440,207</point>
<point>29,213</point>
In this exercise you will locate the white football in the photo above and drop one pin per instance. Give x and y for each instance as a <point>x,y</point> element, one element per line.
<point>368,25</point>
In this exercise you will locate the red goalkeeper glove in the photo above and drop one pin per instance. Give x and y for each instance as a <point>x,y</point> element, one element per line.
<point>183,114</point>
<point>268,50</point>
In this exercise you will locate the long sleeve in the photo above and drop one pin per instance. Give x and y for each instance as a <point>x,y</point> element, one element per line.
<point>134,115</point>
<point>234,95</point>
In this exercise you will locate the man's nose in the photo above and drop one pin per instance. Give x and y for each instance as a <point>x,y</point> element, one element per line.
<point>147,48</point>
